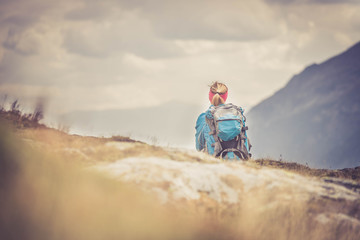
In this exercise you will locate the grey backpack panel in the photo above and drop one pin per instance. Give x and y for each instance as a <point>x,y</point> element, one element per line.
<point>229,131</point>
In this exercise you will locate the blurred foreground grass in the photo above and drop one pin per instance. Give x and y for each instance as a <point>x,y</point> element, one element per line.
<point>44,197</point>
<point>46,193</point>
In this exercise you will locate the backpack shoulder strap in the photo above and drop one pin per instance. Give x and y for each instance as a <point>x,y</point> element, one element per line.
<point>211,123</point>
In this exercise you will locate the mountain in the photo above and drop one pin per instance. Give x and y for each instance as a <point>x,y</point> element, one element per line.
<point>315,118</point>
<point>164,124</point>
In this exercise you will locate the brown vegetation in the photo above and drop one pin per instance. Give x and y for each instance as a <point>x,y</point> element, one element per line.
<point>47,193</point>
<point>17,119</point>
<point>347,173</point>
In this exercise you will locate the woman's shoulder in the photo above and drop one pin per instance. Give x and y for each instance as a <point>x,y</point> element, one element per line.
<point>203,115</point>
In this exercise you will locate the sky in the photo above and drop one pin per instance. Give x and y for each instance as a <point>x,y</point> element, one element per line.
<point>121,54</point>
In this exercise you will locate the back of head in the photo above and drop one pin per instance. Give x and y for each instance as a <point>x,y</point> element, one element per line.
<point>218,91</point>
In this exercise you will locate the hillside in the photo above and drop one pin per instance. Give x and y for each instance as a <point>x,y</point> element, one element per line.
<point>315,118</point>
<point>61,186</point>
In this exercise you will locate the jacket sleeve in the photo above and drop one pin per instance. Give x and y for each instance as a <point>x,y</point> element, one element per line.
<point>199,135</point>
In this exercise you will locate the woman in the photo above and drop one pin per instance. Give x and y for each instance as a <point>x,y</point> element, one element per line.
<point>233,142</point>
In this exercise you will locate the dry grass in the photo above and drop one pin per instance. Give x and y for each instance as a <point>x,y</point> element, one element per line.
<point>88,150</point>
<point>347,173</point>
<point>46,194</point>
<point>44,197</point>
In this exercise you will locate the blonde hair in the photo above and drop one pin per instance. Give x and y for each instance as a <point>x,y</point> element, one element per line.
<point>218,88</point>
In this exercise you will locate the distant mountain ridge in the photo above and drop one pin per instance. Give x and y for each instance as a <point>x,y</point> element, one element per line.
<point>164,124</point>
<point>315,118</point>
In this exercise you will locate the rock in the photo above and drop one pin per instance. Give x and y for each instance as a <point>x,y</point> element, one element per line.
<point>246,192</point>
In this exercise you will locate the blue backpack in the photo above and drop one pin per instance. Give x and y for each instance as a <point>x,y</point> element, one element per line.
<point>227,125</point>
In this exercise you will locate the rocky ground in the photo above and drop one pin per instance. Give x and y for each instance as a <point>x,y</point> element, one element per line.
<point>320,207</point>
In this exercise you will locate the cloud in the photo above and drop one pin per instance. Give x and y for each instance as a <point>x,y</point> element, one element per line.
<point>149,30</point>
<point>23,13</point>
<point>128,35</point>
<point>25,43</point>
<point>312,1</point>
<point>85,43</point>
<point>317,32</point>
<point>92,51</point>
<point>90,11</point>
<point>210,20</point>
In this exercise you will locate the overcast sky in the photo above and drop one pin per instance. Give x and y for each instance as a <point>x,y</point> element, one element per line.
<point>87,54</point>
